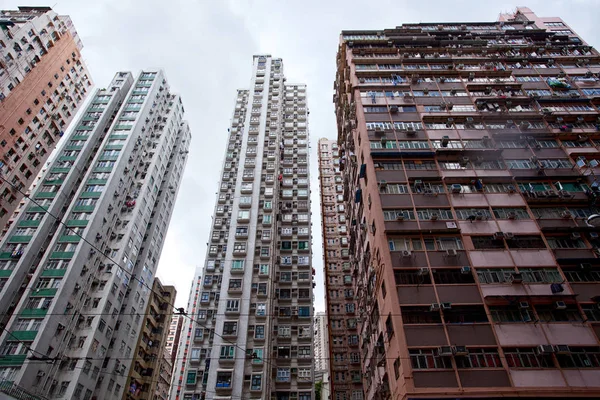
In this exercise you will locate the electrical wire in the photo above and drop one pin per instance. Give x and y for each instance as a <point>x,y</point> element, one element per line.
<point>179,310</point>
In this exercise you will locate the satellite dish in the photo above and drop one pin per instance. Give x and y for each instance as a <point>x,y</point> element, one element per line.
<point>594,220</point>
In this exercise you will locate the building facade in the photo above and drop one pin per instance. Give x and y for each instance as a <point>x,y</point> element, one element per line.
<point>469,165</point>
<point>43,82</point>
<point>250,327</point>
<point>78,263</point>
<point>150,374</point>
<point>341,332</point>
<point>321,343</point>
<point>172,344</point>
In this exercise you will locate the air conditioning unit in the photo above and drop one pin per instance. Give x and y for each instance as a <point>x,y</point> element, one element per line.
<point>41,374</point>
<point>560,305</point>
<point>515,278</point>
<point>562,349</point>
<point>460,351</point>
<point>565,214</point>
<point>456,188</point>
<point>511,189</point>
<point>445,351</point>
<point>418,183</point>
<point>400,217</point>
<point>575,235</point>
<point>509,235</point>
<point>393,109</point>
<point>545,349</point>
<point>434,307</point>
<point>465,270</point>
<point>446,306</point>
<point>523,305</point>
<point>382,184</point>
<point>434,216</point>
<point>451,253</point>
<point>511,215</point>
<point>423,271</point>
<point>593,235</point>
<point>498,236</point>
<point>411,131</point>
<point>406,253</point>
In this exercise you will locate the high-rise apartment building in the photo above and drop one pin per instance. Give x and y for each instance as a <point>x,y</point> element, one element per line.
<point>249,331</point>
<point>165,377</point>
<point>321,343</point>
<point>341,332</point>
<point>172,344</point>
<point>150,374</point>
<point>43,81</point>
<point>469,154</point>
<point>78,264</point>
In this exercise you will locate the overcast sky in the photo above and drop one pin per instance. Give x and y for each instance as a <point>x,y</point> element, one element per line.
<point>206,48</point>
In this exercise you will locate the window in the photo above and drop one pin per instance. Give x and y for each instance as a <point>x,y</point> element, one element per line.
<point>479,358</point>
<point>549,313</point>
<point>527,357</point>
<point>428,359</point>
<point>494,275</point>
<point>256,382</point>
<point>227,353</point>
<point>510,213</point>
<point>509,314</point>
<point>580,357</point>
<point>541,275</point>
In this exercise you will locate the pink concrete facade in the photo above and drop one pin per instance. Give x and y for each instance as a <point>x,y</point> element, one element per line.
<point>475,272</point>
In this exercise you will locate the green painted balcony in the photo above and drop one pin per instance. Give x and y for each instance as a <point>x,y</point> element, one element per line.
<point>5,273</point>
<point>26,336</point>
<point>123,127</point>
<point>80,137</point>
<point>69,239</point>
<point>66,170</point>
<point>77,222</point>
<point>103,169</point>
<point>12,360</point>
<point>90,195</point>
<point>109,158</point>
<point>113,147</point>
<point>84,208</point>
<point>45,195</point>
<point>6,255</point>
<point>29,223</point>
<point>54,181</point>
<point>53,273</point>
<point>48,292</point>
<point>118,137</point>
<point>73,147</point>
<point>62,255</point>
<point>33,312</point>
<point>38,208</point>
<point>67,158</point>
<point>85,128</point>
<point>97,181</point>
<point>20,239</point>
